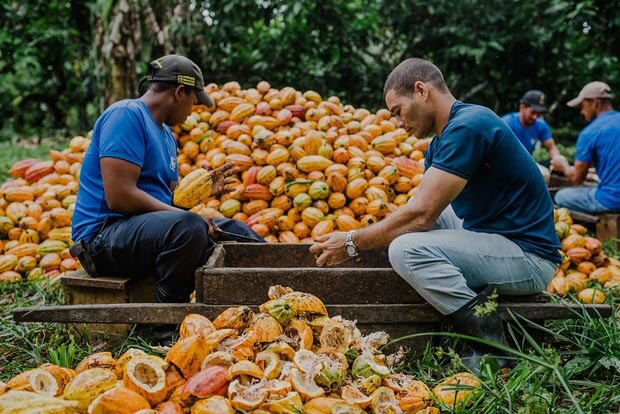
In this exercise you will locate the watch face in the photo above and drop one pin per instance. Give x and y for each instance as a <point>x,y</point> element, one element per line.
<point>351,251</point>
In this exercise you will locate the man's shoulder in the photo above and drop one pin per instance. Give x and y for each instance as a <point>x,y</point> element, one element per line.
<point>474,118</point>
<point>130,106</point>
<point>510,116</point>
<point>607,124</point>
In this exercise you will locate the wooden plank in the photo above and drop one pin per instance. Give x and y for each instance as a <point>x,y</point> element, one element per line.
<point>142,290</point>
<point>557,180</point>
<point>148,313</point>
<point>292,255</point>
<point>83,279</point>
<point>125,313</point>
<point>215,260</point>
<point>584,217</point>
<point>248,286</point>
<point>608,227</point>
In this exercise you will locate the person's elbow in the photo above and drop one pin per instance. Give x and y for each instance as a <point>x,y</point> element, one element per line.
<point>118,201</point>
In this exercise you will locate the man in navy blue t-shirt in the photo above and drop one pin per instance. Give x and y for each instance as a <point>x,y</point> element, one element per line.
<point>531,129</point>
<point>482,217</point>
<point>598,144</point>
<point>124,221</point>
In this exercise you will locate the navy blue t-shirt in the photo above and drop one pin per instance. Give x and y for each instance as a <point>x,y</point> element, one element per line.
<point>599,143</point>
<point>126,130</point>
<point>538,131</point>
<point>505,193</point>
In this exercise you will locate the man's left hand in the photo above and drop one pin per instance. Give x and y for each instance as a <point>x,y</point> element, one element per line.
<point>330,249</point>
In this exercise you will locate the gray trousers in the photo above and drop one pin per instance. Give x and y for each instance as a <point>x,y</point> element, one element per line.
<point>445,265</point>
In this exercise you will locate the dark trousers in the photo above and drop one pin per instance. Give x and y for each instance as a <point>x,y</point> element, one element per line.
<point>166,245</point>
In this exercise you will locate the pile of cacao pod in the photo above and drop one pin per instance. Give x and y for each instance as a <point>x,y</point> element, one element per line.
<point>308,166</point>
<point>290,357</point>
<point>36,208</point>
<point>585,270</point>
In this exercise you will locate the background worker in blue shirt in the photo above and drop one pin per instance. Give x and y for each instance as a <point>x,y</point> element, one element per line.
<point>482,218</point>
<point>530,128</point>
<point>599,144</point>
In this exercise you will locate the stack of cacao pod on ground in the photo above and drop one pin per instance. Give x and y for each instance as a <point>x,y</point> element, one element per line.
<point>308,166</point>
<point>36,208</point>
<point>585,269</point>
<point>289,358</point>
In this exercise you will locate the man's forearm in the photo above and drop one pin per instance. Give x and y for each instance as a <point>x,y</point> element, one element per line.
<point>554,152</point>
<point>404,220</point>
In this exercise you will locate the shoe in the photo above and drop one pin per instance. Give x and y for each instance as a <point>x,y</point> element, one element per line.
<point>164,335</point>
<point>489,327</point>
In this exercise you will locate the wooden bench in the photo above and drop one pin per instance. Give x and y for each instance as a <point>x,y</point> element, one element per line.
<point>366,289</point>
<point>605,226</point>
<point>80,289</point>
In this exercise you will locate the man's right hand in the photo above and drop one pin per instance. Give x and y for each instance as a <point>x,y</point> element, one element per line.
<point>222,179</point>
<point>560,163</point>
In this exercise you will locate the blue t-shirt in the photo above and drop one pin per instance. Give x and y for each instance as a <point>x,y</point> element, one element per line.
<point>126,130</point>
<point>599,143</point>
<point>505,193</point>
<point>539,131</point>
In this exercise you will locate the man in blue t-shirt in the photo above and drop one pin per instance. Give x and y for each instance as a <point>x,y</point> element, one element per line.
<point>482,218</point>
<point>530,128</point>
<point>124,222</point>
<point>599,144</point>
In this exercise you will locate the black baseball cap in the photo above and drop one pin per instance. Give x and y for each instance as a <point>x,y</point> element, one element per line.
<point>180,70</point>
<point>536,99</point>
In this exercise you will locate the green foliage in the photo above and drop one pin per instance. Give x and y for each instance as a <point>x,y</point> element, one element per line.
<point>490,51</point>
<point>24,346</point>
<point>45,71</point>
<point>578,371</point>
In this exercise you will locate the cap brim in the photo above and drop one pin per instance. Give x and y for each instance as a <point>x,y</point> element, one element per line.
<point>204,98</point>
<point>573,103</point>
<point>539,108</point>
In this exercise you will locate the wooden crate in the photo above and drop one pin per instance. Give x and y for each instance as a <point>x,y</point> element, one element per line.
<point>366,289</point>
<point>605,226</point>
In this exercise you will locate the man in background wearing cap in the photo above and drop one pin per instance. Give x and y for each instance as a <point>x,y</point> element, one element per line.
<point>598,143</point>
<point>124,223</point>
<point>530,128</point>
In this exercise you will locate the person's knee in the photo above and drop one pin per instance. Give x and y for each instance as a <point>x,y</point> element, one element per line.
<point>411,246</point>
<point>560,197</point>
<point>406,254</point>
<point>190,227</point>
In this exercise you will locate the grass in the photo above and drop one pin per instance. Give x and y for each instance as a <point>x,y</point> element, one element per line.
<point>24,346</point>
<point>576,371</point>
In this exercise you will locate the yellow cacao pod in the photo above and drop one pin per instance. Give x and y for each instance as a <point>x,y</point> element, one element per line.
<point>193,189</point>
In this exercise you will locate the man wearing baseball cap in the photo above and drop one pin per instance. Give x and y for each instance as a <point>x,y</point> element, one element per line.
<point>598,143</point>
<point>124,222</point>
<point>530,128</point>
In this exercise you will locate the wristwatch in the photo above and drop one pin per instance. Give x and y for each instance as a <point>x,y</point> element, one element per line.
<point>349,245</point>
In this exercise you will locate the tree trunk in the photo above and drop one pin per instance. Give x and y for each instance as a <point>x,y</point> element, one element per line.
<point>118,40</point>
